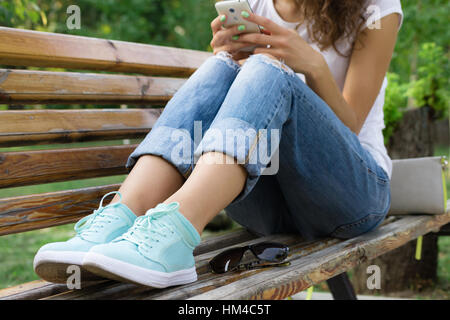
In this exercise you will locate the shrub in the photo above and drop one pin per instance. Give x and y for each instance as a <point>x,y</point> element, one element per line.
<point>395,103</point>
<point>431,87</point>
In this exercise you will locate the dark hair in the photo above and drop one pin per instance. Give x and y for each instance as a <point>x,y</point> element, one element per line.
<point>328,21</point>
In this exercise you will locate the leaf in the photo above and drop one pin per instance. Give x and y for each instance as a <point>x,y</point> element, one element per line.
<point>44,18</point>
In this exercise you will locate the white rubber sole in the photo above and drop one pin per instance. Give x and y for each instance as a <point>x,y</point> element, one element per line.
<point>52,266</point>
<point>118,270</point>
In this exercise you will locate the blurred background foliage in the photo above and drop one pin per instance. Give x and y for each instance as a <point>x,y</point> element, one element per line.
<point>178,23</point>
<point>418,74</point>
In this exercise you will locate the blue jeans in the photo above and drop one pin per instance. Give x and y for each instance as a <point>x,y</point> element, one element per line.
<point>322,181</point>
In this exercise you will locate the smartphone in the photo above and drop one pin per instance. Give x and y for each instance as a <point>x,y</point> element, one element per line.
<point>232,9</point>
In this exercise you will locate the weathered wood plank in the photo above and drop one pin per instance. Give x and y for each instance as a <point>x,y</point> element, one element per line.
<point>43,166</point>
<point>42,289</point>
<point>206,280</point>
<point>129,291</point>
<point>311,263</point>
<point>279,283</point>
<point>37,211</point>
<point>32,290</point>
<point>42,87</point>
<point>225,240</point>
<point>32,48</point>
<point>27,127</point>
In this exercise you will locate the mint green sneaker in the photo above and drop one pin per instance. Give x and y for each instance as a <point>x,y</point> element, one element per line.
<point>102,226</point>
<point>157,251</point>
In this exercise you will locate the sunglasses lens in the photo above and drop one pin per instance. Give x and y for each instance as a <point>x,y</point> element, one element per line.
<point>226,260</point>
<point>269,251</point>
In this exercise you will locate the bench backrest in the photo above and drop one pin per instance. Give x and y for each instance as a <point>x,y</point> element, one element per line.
<point>150,75</point>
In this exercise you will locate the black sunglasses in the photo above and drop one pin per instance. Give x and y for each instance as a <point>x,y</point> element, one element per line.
<point>229,260</point>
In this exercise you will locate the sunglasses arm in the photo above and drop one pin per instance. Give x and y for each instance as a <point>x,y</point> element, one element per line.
<point>258,265</point>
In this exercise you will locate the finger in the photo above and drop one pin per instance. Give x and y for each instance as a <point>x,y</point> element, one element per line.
<point>225,35</point>
<point>274,52</point>
<point>258,38</point>
<point>232,46</point>
<point>216,24</point>
<point>266,32</point>
<point>263,50</point>
<point>263,21</point>
<point>236,46</point>
<point>232,31</point>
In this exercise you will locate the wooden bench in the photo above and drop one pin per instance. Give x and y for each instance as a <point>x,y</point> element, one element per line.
<point>162,70</point>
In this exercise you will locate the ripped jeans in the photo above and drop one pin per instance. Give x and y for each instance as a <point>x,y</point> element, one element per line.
<point>307,171</point>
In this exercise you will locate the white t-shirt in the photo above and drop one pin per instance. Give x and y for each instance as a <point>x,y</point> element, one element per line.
<point>371,134</point>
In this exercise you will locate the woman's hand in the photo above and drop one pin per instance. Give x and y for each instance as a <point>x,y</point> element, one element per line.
<point>285,44</point>
<point>223,39</point>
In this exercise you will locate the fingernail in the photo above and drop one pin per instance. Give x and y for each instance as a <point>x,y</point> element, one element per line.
<point>235,37</point>
<point>245,14</point>
<point>222,18</point>
<point>241,27</point>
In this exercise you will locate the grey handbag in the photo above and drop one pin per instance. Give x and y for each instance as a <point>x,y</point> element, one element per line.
<point>418,186</point>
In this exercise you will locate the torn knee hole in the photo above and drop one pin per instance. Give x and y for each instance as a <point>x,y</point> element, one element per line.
<point>277,62</point>
<point>228,58</point>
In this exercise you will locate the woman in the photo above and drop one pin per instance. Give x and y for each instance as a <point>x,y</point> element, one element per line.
<point>306,106</point>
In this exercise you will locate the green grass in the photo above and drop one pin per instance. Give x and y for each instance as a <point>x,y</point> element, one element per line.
<point>443,285</point>
<point>58,186</point>
<point>70,145</point>
<point>17,250</point>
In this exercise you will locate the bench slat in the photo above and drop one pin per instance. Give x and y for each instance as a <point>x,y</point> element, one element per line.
<point>28,127</point>
<point>44,166</point>
<point>43,87</point>
<point>41,49</point>
<point>32,290</point>
<point>208,281</point>
<point>279,283</point>
<point>37,211</point>
<point>116,290</point>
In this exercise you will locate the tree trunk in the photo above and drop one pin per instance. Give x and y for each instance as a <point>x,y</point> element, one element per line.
<point>400,271</point>
<point>441,132</point>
